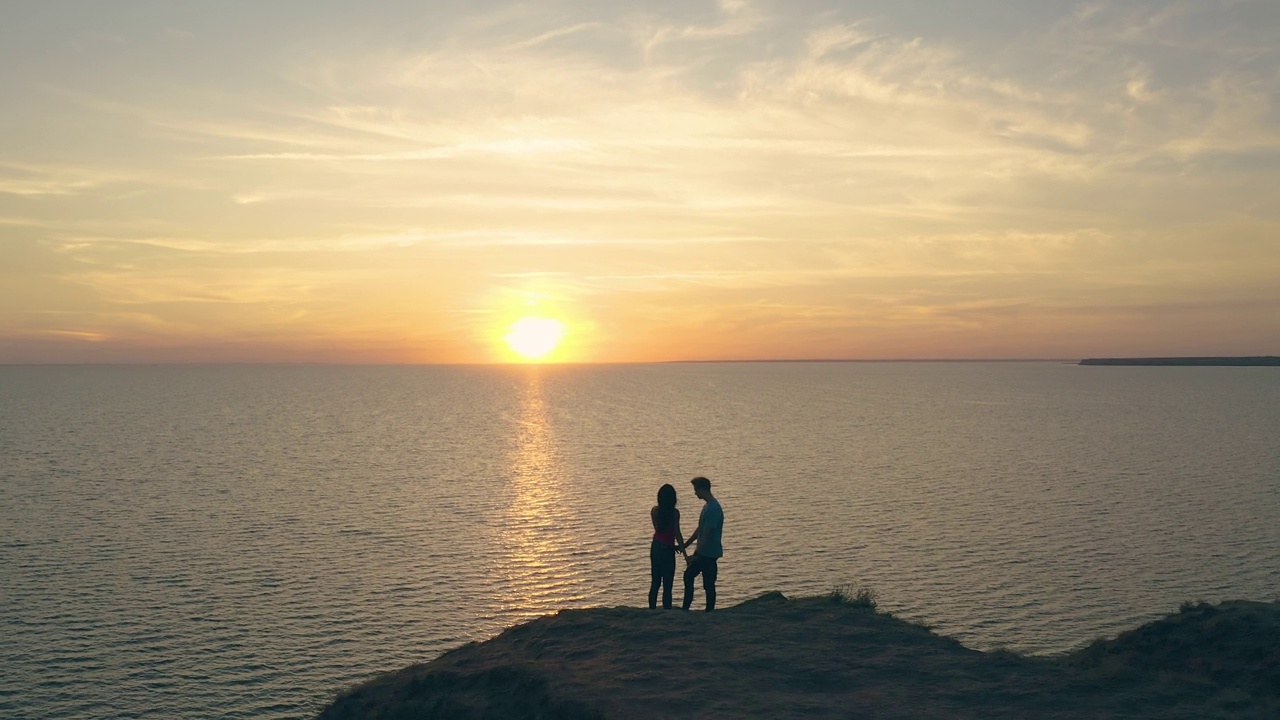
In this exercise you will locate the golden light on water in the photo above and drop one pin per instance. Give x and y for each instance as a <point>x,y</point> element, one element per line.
<point>536,570</point>
<point>535,339</point>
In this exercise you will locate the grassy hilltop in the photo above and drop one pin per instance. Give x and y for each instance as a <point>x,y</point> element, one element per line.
<point>830,657</point>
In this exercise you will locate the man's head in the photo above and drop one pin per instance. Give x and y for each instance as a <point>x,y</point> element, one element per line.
<point>701,487</point>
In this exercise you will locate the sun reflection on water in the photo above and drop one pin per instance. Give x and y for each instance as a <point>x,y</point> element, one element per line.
<point>535,565</point>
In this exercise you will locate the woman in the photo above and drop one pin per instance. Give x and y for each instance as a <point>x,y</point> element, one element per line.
<point>662,551</point>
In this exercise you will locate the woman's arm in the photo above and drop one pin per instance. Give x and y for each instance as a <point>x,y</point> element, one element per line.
<point>653,517</point>
<point>679,536</point>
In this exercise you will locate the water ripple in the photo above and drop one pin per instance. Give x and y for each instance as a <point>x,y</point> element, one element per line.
<point>244,541</point>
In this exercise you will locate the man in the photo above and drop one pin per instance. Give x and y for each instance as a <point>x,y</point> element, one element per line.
<point>709,550</point>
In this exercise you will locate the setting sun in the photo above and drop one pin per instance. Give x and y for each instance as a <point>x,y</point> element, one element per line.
<point>535,338</point>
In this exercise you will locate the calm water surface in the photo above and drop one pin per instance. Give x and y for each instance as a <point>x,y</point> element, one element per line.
<point>241,542</point>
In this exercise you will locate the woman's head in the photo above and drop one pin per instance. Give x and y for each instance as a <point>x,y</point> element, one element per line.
<point>666,496</point>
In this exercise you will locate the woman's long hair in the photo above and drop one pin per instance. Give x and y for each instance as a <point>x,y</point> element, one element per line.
<point>666,507</point>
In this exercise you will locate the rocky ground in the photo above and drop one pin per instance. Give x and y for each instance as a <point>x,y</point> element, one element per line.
<point>830,657</point>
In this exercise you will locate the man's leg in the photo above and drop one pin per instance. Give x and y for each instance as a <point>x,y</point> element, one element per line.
<point>709,572</point>
<point>691,572</point>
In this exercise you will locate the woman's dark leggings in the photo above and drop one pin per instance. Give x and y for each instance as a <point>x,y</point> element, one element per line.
<point>662,569</point>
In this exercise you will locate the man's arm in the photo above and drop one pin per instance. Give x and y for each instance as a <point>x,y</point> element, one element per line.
<point>694,536</point>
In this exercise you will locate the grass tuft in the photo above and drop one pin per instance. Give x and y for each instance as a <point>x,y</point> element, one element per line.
<point>855,597</point>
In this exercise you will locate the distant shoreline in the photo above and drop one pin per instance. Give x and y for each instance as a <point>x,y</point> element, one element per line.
<point>1254,361</point>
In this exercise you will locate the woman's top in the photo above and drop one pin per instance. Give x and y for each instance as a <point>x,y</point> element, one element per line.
<point>667,535</point>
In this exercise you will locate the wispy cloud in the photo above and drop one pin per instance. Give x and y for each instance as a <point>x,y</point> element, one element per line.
<point>800,170</point>
<point>40,179</point>
<point>510,147</point>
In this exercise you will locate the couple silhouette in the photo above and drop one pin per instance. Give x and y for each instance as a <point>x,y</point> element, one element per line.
<point>668,540</point>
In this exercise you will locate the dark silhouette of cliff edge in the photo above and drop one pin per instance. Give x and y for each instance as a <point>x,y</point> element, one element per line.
<point>830,657</point>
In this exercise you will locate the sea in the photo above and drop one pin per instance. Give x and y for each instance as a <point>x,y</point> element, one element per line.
<point>245,541</point>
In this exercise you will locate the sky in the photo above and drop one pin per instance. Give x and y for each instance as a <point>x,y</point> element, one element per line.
<point>402,182</point>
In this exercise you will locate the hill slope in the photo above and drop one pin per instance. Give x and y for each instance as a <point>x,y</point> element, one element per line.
<point>827,658</point>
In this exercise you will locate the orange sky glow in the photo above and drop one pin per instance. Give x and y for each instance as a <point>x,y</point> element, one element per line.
<point>319,182</point>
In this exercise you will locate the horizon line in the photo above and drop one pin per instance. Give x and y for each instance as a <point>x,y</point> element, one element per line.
<point>322,363</point>
<point>561,363</point>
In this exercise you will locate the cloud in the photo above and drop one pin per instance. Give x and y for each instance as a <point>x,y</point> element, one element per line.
<point>553,34</point>
<point>810,165</point>
<point>41,179</point>
<point>510,147</point>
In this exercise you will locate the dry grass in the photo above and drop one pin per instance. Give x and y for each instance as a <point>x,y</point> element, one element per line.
<point>854,597</point>
<point>814,658</point>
